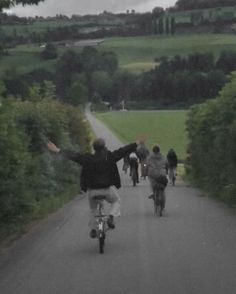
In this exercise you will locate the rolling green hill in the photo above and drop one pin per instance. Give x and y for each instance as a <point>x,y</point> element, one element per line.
<point>134,53</point>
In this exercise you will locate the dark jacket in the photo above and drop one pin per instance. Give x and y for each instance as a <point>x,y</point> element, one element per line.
<point>172,158</point>
<point>99,170</point>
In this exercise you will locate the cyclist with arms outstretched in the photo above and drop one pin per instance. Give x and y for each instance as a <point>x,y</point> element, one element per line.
<point>99,176</point>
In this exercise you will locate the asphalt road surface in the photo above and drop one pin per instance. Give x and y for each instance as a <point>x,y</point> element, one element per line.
<point>190,250</point>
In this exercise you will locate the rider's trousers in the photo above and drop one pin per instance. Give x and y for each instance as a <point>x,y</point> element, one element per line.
<point>112,197</point>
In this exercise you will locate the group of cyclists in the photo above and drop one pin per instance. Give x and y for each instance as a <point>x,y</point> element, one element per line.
<point>100,175</point>
<point>152,165</point>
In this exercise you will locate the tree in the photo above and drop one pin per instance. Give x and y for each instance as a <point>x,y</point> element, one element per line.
<point>226,61</point>
<point>15,85</point>
<point>103,85</point>
<point>10,3</point>
<point>123,85</point>
<point>77,94</point>
<point>157,12</point>
<point>109,62</point>
<point>167,26</point>
<point>69,64</point>
<point>160,26</point>
<point>172,26</point>
<point>199,4</point>
<point>50,52</point>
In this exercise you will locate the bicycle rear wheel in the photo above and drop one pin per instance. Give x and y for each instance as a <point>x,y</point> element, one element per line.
<point>101,244</point>
<point>162,201</point>
<point>134,177</point>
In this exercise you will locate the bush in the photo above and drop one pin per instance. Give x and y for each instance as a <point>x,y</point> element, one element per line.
<point>31,178</point>
<point>50,52</point>
<point>212,136</point>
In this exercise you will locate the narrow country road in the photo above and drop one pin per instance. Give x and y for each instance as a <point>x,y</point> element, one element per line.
<point>190,250</point>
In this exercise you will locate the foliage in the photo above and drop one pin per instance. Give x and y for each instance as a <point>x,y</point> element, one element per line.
<point>212,136</point>
<point>50,52</point>
<point>179,81</point>
<point>87,62</point>
<point>77,94</point>
<point>9,3</point>
<point>198,4</point>
<point>30,176</point>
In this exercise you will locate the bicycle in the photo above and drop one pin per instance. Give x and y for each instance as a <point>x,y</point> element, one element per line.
<point>159,199</point>
<point>144,169</point>
<point>172,176</point>
<point>101,223</point>
<point>133,175</point>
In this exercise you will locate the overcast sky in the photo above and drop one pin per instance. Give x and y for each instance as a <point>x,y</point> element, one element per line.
<point>69,7</point>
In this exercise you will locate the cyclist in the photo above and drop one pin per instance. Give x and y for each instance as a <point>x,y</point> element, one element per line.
<point>99,176</point>
<point>125,163</point>
<point>172,164</point>
<point>133,163</point>
<point>157,169</point>
<point>142,153</point>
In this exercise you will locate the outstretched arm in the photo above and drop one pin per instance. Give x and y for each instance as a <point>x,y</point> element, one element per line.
<point>126,150</point>
<point>74,156</point>
<point>121,152</point>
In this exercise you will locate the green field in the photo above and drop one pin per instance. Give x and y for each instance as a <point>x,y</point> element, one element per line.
<point>134,53</point>
<point>167,128</point>
<point>143,50</point>
<point>43,26</point>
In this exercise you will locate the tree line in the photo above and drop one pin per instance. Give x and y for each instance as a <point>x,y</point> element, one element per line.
<point>92,75</point>
<point>201,4</point>
<point>10,3</point>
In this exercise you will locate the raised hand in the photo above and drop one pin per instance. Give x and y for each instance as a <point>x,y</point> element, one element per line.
<point>52,147</point>
<point>141,139</point>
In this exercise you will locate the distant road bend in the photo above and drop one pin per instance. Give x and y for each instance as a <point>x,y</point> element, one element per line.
<point>190,250</point>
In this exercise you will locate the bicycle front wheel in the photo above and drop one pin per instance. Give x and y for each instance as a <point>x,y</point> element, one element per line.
<point>172,176</point>
<point>155,202</point>
<point>101,244</point>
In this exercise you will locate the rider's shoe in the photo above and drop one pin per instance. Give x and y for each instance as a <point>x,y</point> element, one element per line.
<point>110,222</point>
<point>93,233</point>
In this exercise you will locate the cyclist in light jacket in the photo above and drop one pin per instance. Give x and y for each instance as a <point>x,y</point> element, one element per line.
<point>157,168</point>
